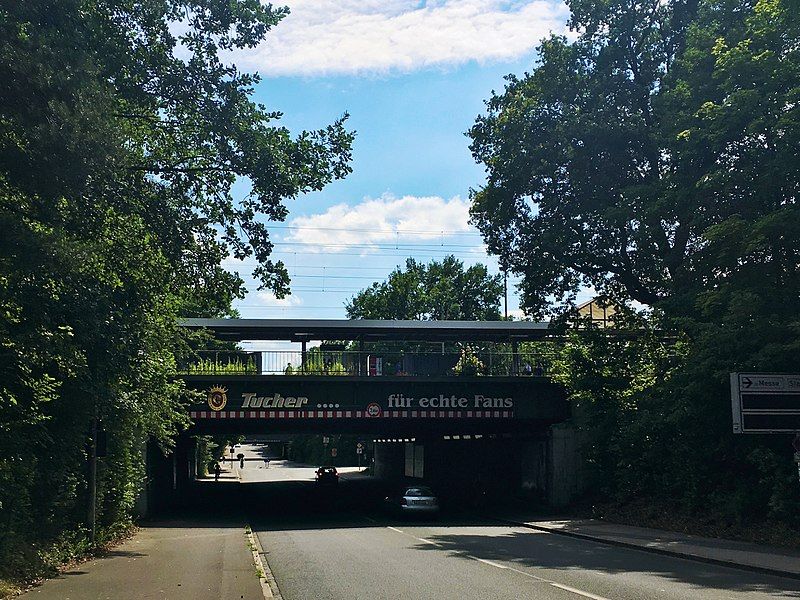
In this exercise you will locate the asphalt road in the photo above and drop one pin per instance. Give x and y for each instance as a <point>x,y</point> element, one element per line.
<point>323,543</point>
<point>338,545</point>
<point>357,558</point>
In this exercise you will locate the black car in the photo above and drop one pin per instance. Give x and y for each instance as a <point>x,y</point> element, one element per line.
<point>327,476</point>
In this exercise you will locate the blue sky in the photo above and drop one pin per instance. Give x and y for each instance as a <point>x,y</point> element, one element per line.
<point>413,76</point>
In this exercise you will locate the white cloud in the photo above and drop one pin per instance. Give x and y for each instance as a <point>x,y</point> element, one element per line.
<point>517,314</point>
<point>322,37</point>
<point>266,298</point>
<point>387,219</point>
<point>232,263</point>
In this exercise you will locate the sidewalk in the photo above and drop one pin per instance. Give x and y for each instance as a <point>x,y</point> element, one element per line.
<point>743,555</point>
<point>167,560</point>
<point>227,472</point>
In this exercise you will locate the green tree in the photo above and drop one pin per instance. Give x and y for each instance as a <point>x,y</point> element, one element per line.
<point>655,157</point>
<point>120,144</point>
<point>437,291</point>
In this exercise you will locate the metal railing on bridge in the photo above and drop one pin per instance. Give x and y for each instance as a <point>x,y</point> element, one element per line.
<point>355,363</point>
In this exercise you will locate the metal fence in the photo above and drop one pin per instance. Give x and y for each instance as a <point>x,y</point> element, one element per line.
<point>374,364</point>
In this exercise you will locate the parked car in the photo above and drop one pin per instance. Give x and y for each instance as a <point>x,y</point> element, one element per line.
<point>414,500</point>
<point>327,476</point>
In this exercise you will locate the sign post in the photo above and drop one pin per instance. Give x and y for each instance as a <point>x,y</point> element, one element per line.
<point>797,461</point>
<point>765,402</point>
<point>796,444</point>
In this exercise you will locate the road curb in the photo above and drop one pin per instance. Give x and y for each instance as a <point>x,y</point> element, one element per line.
<point>651,550</point>
<point>268,584</point>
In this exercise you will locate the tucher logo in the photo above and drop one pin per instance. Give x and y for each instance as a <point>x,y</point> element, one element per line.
<point>217,398</point>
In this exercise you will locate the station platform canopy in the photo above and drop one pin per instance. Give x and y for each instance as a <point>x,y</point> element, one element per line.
<point>301,330</point>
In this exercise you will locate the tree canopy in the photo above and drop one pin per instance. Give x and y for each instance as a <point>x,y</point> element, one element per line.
<point>437,291</point>
<point>122,134</point>
<point>654,157</point>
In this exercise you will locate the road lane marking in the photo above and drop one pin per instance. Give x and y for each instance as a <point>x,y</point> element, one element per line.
<point>489,562</point>
<point>565,588</point>
<point>413,537</point>
<point>575,591</point>
<point>542,579</point>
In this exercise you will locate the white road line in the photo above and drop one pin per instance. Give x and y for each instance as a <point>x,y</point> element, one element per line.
<point>412,536</point>
<point>566,588</point>
<point>489,562</point>
<point>579,592</point>
<point>542,579</point>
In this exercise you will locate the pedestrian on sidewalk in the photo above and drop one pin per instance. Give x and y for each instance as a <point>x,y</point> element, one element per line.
<point>216,471</point>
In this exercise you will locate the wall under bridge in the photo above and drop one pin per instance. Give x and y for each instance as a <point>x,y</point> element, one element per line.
<point>540,467</point>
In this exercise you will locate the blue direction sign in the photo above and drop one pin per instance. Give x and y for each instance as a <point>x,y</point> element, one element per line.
<point>765,402</point>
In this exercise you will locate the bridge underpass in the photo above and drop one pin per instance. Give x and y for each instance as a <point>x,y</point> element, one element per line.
<point>495,429</point>
<point>339,543</point>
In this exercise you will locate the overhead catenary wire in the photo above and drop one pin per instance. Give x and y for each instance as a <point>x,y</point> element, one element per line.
<point>328,277</point>
<point>292,307</point>
<point>419,254</point>
<point>250,262</point>
<point>393,230</point>
<point>420,246</point>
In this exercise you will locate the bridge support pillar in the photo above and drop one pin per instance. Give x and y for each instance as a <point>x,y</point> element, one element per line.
<point>551,466</point>
<point>534,460</point>
<point>142,506</point>
<point>389,461</point>
<point>169,477</point>
<point>564,465</point>
<point>183,467</point>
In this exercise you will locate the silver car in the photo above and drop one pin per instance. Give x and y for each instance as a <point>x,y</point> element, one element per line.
<point>415,500</point>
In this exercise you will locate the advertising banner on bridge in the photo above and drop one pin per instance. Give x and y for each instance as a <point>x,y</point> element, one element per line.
<point>237,397</point>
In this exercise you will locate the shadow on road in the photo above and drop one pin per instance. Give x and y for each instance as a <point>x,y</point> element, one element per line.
<point>357,504</point>
<point>546,551</point>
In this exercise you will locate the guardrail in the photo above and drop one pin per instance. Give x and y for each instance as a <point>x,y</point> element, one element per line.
<point>369,364</point>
